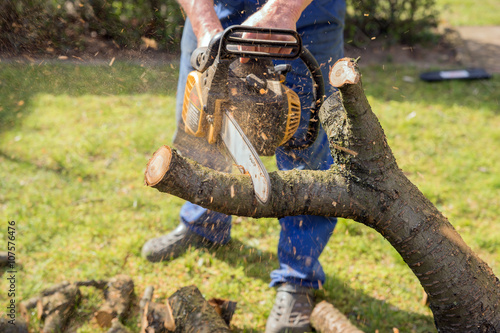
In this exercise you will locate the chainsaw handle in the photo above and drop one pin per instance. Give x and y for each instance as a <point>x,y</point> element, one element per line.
<point>203,57</point>
<point>229,42</point>
<point>232,42</point>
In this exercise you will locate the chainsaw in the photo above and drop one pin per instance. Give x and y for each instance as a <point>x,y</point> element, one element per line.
<point>245,108</point>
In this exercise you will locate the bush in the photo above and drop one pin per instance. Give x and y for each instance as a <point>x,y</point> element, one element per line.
<point>64,25</point>
<point>35,25</point>
<point>398,21</point>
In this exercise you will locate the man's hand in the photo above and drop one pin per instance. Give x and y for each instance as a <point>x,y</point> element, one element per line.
<point>278,14</point>
<point>281,14</point>
<point>203,19</point>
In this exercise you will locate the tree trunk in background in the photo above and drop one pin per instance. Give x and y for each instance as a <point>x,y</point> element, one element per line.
<point>365,185</point>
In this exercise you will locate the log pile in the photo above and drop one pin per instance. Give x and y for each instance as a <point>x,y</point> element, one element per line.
<point>118,294</point>
<point>184,311</point>
<point>56,305</point>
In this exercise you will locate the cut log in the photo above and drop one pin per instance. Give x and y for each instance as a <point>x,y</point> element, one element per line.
<point>225,308</point>
<point>27,305</point>
<point>325,318</point>
<point>146,298</point>
<point>31,303</point>
<point>192,313</point>
<point>8,325</point>
<point>157,318</point>
<point>56,309</point>
<point>98,284</point>
<point>118,294</point>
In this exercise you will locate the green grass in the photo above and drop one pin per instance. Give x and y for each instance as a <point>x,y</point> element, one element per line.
<point>469,12</point>
<point>74,142</point>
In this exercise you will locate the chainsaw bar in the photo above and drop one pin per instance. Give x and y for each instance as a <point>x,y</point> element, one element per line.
<point>245,156</point>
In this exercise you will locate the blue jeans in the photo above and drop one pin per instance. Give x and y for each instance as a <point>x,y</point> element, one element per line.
<point>302,238</point>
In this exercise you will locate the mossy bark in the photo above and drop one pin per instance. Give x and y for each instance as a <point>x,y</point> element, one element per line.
<point>192,313</point>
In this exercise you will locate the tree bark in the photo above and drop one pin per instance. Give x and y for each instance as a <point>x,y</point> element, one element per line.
<point>365,185</point>
<point>192,313</point>
<point>118,293</point>
<point>325,318</point>
<point>155,318</point>
<point>7,326</point>
<point>224,308</point>
<point>56,309</point>
<point>464,294</point>
<point>29,304</point>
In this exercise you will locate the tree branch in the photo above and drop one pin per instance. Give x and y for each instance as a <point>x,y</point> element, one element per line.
<point>293,192</point>
<point>365,185</point>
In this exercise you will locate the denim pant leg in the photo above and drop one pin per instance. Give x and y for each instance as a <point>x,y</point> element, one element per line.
<point>303,238</point>
<point>207,223</point>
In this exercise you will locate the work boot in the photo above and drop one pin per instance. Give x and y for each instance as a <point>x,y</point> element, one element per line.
<point>291,311</point>
<point>172,245</point>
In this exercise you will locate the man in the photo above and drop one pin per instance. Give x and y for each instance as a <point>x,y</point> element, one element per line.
<point>302,238</point>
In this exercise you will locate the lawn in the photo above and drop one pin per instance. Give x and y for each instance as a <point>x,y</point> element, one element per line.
<point>74,143</point>
<point>469,12</point>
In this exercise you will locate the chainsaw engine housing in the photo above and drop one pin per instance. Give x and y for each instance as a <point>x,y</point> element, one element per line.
<point>267,110</point>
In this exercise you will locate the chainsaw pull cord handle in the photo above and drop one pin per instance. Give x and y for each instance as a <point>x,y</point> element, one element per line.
<point>318,98</point>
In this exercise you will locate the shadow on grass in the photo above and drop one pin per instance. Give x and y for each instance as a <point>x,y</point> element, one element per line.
<point>59,169</point>
<point>401,83</point>
<point>20,82</point>
<point>366,312</point>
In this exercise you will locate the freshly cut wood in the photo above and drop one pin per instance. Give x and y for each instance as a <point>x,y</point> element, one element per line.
<point>157,318</point>
<point>225,308</point>
<point>118,294</point>
<point>192,313</point>
<point>325,318</point>
<point>146,298</point>
<point>56,309</point>
<point>344,72</point>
